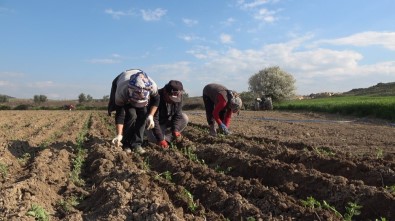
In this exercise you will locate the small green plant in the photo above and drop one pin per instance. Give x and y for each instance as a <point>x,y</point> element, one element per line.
<point>380,153</point>
<point>69,203</point>
<point>3,170</point>
<point>311,203</point>
<point>325,205</point>
<point>250,218</point>
<point>38,213</point>
<point>381,219</point>
<point>24,158</point>
<point>325,151</point>
<point>166,175</point>
<point>219,170</point>
<point>79,159</point>
<point>186,195</point>
<point>391,189</point>
<point>146,165</point>
<point>352,209</point>
<point>191,155</point>
<point>78,162</point>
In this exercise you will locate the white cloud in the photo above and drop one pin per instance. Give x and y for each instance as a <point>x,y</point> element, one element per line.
<point>153,15</point>
<point>5,84</point>
<point>42,84</point>
<point>115,59</point>
<point>203,52</point>
<point>384,39</point>
<point>190,38</point>
<point>315,69</point>
<point>252,4</point>
<point>104,61</point>
<point>11,74</point>
<point>265,15</point>
<point>228,22</point>
<point>226,39</point>
<point>118,14</point>
<point>189,22</point>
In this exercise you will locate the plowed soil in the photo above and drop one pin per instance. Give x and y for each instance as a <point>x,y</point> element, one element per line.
<point>274,166</point>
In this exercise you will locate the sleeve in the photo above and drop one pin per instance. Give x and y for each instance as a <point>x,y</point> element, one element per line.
<point>228,116</point>
<point>177,118</point>
<point>221,104</point>
<point>154,100</point>
<point>119,115</point>
<point>157,131</point>
<point>111,103</point>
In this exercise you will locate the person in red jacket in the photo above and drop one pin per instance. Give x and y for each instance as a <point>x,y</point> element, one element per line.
<point>220,103</point>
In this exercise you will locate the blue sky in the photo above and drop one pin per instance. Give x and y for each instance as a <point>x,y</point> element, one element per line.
<point>63,48</point>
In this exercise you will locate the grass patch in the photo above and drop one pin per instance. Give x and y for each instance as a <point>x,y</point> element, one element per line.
<point>382,107</point>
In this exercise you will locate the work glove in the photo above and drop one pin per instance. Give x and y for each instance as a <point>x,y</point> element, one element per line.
<point>177,136</point>
<point>163,144</point>
<point>150,122</point>
<point>117,140</point>
<point>224,129</point>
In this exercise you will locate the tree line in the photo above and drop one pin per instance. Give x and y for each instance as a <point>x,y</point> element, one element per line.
<point>270,82</point>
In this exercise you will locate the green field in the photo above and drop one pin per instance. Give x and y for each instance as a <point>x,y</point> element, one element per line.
<point>362,106</point>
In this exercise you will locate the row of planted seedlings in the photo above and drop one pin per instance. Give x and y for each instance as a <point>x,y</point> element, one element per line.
<point>317,158</point>
<point>271,173</point>
<point>68,202</point>
<point>203,191</point>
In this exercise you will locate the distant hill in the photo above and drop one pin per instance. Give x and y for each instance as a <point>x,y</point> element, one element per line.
<point>380,89</point>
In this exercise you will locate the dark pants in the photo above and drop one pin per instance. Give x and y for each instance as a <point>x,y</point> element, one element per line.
<point>134,126</point>
<point>209,106</point>
<point>166,130</point>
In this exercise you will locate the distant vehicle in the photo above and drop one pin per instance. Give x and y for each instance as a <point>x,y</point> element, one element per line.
<point>264,103</point>
<point>68,107</point>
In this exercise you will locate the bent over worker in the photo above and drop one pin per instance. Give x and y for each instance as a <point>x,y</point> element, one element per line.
<point>131,92</point>
<point>220,103</point>
<point>169,119</point>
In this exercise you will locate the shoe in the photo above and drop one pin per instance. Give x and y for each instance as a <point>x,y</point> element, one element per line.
<point>139,150</point>
<point>127,150</point>
<point>212,130</point>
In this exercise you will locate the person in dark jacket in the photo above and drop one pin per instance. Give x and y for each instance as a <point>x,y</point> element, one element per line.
<point>169,119</point>
<point>131,92</point>
<point>220,103</point>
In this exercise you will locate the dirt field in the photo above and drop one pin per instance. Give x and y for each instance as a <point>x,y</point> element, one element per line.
<point>274,166</point>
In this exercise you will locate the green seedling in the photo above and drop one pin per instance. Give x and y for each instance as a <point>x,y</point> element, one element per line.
<point>79,160</point>
<point>351,210</point>
<point>250,218</point>
<point>191,155</point>
<point>391,189</point>
<point>68,204</point>
<point>325,205</point>
<point>146,165</point>
<point>3,170</point>
<point>24,158</point>
<point>38,213</point>
<point>166,175</point>
<point>325,151</point>
<point>191,204</point>
<point>380,153</point>
<point>311,203</point>
<point>188,197</point>
<point>219,170</point>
